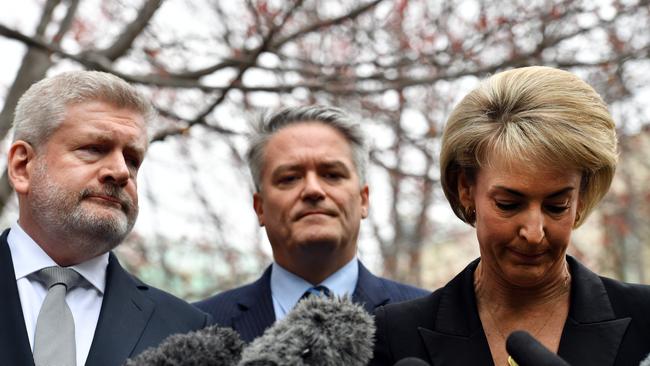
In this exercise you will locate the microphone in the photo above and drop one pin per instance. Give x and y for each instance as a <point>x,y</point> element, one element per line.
<point>320,330</point>
<point>411,361</point>
<point>646,361</point>
<point>211,346</point>
<point>527,351</point>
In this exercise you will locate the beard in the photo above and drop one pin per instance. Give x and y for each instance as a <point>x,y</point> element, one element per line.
<point>62,212</point>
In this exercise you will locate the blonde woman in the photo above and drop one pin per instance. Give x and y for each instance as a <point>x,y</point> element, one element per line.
<point>525,158</point>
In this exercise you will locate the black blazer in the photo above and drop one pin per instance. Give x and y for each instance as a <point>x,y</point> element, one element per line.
<point>608,324</point>
<point>133,317</point>
<point>249,309</point>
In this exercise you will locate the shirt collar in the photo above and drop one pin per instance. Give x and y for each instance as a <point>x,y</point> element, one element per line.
<point>28,257</point>
<point>287,288</point>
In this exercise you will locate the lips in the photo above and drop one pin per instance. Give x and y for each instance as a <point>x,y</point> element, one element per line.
<point>107,199</point>
<point>308,213</point>
<point>527,256</point>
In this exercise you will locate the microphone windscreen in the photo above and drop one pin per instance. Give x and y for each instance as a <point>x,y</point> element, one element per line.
<point>319,330</point>
<point>646,361</point>
<point>527,351</point>
<point>211,346</point>
<point>411,361</point>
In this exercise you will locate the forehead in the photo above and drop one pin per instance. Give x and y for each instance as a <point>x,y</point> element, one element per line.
<point>306,142</point>
<point>526,177</point>
<point>104,120</point>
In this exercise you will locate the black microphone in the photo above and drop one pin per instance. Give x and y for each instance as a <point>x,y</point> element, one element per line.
<point>320,330</point>
<point>411,361</point>
<point>211,346</point>
<point>527,351</point>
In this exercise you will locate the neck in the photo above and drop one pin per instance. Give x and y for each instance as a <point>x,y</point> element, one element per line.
<point>314,269</point>
<point>491,288</point>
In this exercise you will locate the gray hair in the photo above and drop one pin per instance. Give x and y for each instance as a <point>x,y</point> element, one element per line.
<point>41,110</point>
<point>329,116</point>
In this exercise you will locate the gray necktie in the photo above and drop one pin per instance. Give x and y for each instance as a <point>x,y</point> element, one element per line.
<point>54,343</point>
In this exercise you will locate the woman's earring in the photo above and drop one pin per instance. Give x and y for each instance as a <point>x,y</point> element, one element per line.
<point>470,214</point>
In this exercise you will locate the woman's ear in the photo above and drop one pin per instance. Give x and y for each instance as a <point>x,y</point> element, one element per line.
<point>20,156</point>
<point>465,190</point>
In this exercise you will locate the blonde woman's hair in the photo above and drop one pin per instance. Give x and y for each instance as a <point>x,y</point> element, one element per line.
<point>538,115</point>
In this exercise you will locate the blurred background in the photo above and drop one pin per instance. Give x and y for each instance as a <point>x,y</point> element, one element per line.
<point>212,67</point>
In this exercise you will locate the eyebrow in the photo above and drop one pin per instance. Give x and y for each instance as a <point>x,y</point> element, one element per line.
<point>555,194</point>
<point>297,167</point>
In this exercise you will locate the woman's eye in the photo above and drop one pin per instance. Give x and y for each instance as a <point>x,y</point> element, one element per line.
<point>507,206</point>
<point>557,209</point>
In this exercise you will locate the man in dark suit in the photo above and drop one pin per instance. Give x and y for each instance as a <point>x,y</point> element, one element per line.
<point>308,165</point>
<point>79,140</point>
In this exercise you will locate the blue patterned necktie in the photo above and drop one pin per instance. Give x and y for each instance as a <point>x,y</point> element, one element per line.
<point>316,291</point>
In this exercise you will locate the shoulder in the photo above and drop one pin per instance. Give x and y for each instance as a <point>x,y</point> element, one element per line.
<point>171,308</point>
<point>225,305</point>
<point>369,283</point>
<point>398,327</point>
<point>402,292</point>
<point>411,313</point>
<point>628,298</point>
<point>226,299</point>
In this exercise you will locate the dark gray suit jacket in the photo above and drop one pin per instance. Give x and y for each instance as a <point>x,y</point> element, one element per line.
<point>249,309</point>
<point>608,324</point>
<point>133,317</point>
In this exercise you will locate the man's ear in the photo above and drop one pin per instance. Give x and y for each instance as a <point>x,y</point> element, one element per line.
<point>365,201</point>
<point>21,155</point>
<point>465,190</point>
<point>258,205</point>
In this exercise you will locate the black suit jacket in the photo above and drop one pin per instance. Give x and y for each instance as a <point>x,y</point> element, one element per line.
<point>608,324</point>
<point>133,317</point>
<point>249,309</point>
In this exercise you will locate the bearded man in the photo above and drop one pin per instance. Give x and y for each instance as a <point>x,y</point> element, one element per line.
<point>79,140</point>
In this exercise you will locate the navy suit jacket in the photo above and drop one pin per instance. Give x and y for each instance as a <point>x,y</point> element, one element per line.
<point>249,309</point>
<point>608,324</point>
<point>133,317</point>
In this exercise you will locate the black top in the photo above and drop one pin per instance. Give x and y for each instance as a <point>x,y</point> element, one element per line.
<point>608,324</point>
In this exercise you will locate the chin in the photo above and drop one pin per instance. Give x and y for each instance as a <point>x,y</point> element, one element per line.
<point>525,278</point>
<point>319,242</point>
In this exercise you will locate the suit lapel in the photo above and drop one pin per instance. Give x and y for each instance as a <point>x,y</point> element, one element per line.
<point>256,305</point>
<point>457,337</point>
<point>369,291</point>
<point>14,343</point>
<point>592,333</point>
<point>124,315</point>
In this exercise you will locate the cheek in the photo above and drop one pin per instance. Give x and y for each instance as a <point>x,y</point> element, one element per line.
<point>559,233</point>
<point>491,229</point>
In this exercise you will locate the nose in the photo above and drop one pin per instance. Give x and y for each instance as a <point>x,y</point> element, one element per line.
<point>313,189</point>
<point>532,226</point>
<point>114,170</point>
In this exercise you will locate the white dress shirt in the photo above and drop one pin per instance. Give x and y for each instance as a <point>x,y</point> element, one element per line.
<point>84,301</point>
<point>287,288</point>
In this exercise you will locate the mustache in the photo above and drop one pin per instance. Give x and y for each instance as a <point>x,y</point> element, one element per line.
<point>111,191</point>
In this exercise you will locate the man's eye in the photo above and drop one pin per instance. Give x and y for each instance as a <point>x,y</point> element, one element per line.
<point>332,175</point>
<point>507,206</point>
<point>287,179</point>
<point>92,149</point>
<point>134,162</point>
